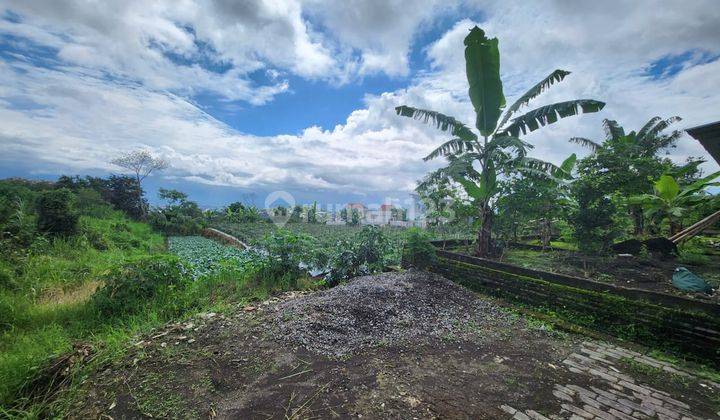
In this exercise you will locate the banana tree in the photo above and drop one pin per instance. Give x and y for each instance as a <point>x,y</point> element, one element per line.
<point>670,201</point>
<point>476,163</point>
<point>627,162</point>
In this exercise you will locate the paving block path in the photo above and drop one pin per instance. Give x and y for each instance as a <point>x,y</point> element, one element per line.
<point>617,394</point>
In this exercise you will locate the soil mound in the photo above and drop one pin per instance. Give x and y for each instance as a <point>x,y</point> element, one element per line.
<point>385,309</point>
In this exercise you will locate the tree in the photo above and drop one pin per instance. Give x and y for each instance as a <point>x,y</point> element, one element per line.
<point>535,200</point>
<point>354,217</point>
<point>142,163</point>
<point>627,163</point>
<point>501,151</point>
<point>56,213</point>
<point>670,201</point>
<point>312,213</point>
<point>172,196</point>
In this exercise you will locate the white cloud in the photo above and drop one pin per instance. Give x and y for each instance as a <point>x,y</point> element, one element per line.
<point>74,116</point>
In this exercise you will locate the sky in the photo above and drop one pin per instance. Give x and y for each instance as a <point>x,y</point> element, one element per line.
<point>244,98</point>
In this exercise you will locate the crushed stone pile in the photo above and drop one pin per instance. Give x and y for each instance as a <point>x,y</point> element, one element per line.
<point>384,309</point>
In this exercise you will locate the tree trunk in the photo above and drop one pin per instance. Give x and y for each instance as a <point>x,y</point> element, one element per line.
<point>638,220</point>
<point>674,227</point>
<point>545,232</point>
<point>483,240</point>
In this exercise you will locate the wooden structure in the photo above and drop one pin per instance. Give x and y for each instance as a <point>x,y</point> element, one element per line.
<point>709,136</point>
<point>698,227</point>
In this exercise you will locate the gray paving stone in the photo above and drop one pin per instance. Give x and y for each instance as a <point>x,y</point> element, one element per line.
<point>577,410</point>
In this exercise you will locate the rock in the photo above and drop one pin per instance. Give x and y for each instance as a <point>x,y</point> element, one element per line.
<point>663,246</point>
<point>631,246</point>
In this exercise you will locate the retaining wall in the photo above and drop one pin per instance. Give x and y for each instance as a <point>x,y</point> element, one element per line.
<point>645,317</point>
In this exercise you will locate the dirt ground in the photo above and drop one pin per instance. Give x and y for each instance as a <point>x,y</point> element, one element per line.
<point>397,345</point>
<point>648,273</point>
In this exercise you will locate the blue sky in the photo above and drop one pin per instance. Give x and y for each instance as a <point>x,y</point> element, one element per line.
<point>246,98</point>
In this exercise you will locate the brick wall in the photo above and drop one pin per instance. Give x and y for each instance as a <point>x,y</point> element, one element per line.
<point>685,325</point>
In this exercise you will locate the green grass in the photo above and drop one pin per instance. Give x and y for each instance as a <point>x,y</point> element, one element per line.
<point>45,306</point>
<point>44,310</point>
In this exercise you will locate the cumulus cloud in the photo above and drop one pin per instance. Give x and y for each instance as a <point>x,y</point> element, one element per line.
<point>123,76</point>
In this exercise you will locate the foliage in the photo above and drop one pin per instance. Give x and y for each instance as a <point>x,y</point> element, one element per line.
<point>592,218</point>
<point>56,215</point>
<point>625,164</point>
<point>139,284</point>
<point>141,162</point>
<point>124,193</point>
<point>418,251</point>
<point>205,256</point>
<point>179,217</point>
<point>535,203</point>
<point>364,254</point>
<point>475,164</point>
<point>670,201</point>
<point>287,256</point>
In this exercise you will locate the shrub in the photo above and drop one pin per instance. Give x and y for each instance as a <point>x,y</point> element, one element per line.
<point>364,255</point>
<point>418,251</point>
<point>287,256</point>
<point>592,218</point>
<point>139,284</point>
<point>91,203</point>
<point>56,215</point>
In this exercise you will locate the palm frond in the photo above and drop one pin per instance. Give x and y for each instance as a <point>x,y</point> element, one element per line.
<point>535,91</point>
<point>657,128</point>
<point>612,129</point>
<point>453,146</point>
<point>585,142</point>
<point>539,165</point>
<point>441,121</point>
<point>504,141</point>
<point>550,114</point>
<point>648,125</point>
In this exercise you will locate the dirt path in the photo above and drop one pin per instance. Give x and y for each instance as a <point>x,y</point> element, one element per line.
<point>400,345</point>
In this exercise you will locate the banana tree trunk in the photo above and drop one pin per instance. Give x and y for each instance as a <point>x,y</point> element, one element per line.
<point>483,240</point>
<point>638,220</point>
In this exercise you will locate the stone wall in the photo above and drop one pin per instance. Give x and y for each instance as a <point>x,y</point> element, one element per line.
<point>667,321</point>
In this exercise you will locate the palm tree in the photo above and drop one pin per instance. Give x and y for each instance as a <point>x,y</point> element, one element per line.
<point>501,151</point>
<point>629,161</point>
<point>645,143</point>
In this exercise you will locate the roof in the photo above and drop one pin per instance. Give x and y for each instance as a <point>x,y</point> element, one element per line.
<point>386,207</point>
<point>709,136</point>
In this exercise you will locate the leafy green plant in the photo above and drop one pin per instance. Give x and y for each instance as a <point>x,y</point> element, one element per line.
<point>139,284</point>
<point>501,151</point>
<point>365,254</point>
<point>206,256</point>
<point>56,215</point>
<point>286,257</point>
<point>418,251</point>
<point>670,201</point>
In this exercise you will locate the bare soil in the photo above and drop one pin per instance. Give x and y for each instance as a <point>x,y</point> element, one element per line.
<point>397,345</point>
<point>648,273</point>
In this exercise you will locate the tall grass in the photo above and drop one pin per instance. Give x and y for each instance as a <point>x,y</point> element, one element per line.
<point>43,299</point>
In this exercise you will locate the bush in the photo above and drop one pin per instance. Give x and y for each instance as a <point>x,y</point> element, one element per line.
<point>56,215</point>
<point>593,218</point>
<point>418,251</point>
<point>364,255</point>
<point>287,256</point>
<point>139,284</point>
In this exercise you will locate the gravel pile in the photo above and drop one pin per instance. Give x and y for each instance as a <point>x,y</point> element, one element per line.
<point>384,309</point>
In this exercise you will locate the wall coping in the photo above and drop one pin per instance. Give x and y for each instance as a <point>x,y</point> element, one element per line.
<point>658,298</point>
